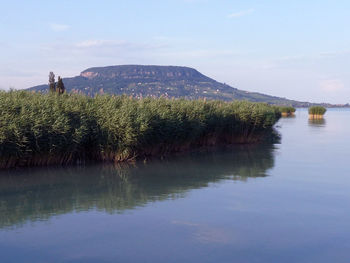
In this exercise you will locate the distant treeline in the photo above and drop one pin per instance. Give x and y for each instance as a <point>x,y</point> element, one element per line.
<point>37,129</point>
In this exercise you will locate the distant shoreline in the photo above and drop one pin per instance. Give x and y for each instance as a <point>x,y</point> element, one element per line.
<point>142,81</point>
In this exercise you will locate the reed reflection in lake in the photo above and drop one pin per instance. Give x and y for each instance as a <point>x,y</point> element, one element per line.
<point>38,194</point>
<point>317,122</point>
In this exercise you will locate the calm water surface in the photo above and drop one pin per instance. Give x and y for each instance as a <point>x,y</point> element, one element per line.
<point>287,202</point>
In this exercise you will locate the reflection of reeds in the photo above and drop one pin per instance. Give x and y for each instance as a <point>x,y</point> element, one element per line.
<point>38,130</point>
<point>288,115</point>
<point>37,194</point>
<point>122,170</point>
<point>317,122</point>
<point>315,116</point>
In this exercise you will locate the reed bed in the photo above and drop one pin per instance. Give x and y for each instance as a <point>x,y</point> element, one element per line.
<point>287,111</point>
<point>42,129</point>
<point>316,112</point>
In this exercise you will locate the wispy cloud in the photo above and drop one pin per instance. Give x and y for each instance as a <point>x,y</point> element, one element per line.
<point>241,13</point>
<point>332,85</point>
<point>103,43</point>
<point>100,43</point>
<point>59,27</point>
<point>335,53</point>
<point>11,72</point>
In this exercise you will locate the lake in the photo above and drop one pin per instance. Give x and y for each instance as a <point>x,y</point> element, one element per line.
<point>277,202</point>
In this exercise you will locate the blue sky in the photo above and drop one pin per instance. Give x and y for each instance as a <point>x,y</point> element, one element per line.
<point>296,49</point>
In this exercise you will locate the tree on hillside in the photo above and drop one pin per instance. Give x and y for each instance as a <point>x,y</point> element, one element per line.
<point>52,85</point>
<point>60,89</point>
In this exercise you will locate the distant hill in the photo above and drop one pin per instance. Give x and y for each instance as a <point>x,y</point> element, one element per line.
<point>168,81</point>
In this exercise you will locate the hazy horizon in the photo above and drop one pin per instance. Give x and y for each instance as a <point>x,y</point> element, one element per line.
<point>296,50</point>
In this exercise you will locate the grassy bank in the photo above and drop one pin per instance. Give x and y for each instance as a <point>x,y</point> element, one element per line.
<point>38,129</point>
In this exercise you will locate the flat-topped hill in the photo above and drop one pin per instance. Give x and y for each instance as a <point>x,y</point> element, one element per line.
<point>156,81</point>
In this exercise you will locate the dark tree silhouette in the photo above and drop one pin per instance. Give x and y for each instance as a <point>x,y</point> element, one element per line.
<point>60,89</point>
<point>52,85</point>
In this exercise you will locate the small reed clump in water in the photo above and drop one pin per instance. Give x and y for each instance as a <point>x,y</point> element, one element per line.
<point>287,111</point>
<point>38,129</point>
<point>316,112</point>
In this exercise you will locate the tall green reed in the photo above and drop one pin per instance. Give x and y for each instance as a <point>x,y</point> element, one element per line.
<point>38,129</point>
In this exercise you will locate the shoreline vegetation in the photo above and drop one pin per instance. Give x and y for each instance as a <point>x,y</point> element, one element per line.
<point>287,111</point>
<point>316,112</point>
<point>50,129</point>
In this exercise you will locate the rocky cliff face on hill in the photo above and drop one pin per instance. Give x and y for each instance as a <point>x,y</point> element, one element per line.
<point>156,81</point>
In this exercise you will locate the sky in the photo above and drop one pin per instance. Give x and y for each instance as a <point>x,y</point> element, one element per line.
<point>296,49</point>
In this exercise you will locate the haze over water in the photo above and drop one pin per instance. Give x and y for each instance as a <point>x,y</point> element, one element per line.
<point>285,202</point>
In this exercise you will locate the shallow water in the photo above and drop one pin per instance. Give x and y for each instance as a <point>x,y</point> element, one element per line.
<point>287,202</point>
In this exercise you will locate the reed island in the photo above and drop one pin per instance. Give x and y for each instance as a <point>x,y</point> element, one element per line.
<point>287,111</point>
<point>316,112</point>
<point>45,129</point>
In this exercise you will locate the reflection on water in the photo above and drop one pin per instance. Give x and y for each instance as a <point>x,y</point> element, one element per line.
<point>289,116</point>
<point>38,194</point>
<point>204,207</point>
<point>317,122</point>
